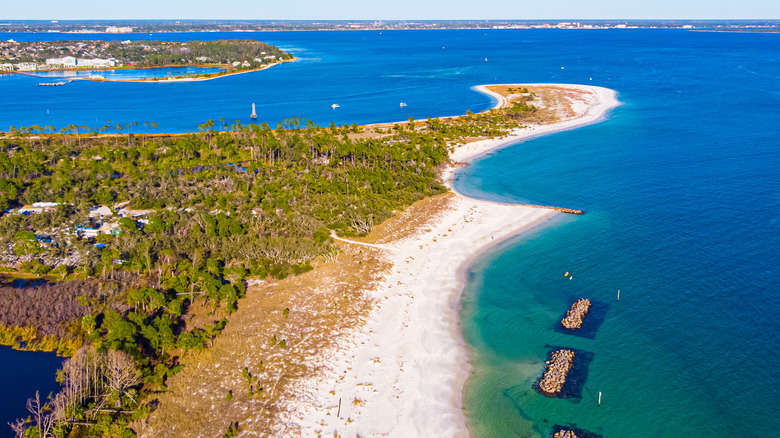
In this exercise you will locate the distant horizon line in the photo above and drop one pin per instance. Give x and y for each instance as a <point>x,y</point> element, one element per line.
<point>283,20</point>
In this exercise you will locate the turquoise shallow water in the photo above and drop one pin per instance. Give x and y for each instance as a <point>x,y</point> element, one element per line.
<point>680,186</point>
<point>681,193</point>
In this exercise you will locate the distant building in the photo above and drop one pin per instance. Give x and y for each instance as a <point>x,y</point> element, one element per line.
<point>95,63</point>
<point>245,64</point>
<point>38,207</point>
<point>29,209</point>
<point>100,211</point>
<point>124,212</point>
<point>115,29</point>
<point>236,64</point>
<point>46,206</point>
<point>71,62</point>
<point>87,232</point>
<point>27,66</point>
<point>6,67</point>
<point>67,62</point>
<point>110,228</point>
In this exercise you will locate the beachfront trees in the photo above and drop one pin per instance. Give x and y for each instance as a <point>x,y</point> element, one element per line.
<point>223,206</point>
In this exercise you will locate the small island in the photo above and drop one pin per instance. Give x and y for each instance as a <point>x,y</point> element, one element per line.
<point>231,56</point>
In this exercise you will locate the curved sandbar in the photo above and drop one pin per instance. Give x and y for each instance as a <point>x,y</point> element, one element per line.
<point>403,372</point>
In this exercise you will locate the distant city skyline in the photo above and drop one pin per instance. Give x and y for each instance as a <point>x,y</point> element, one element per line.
<point>395,10</point>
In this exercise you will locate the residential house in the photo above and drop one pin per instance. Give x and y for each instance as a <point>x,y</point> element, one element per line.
<point>110,228</point>
<point>99,212</point>
<point>89,233</point>
<point>125,212</point>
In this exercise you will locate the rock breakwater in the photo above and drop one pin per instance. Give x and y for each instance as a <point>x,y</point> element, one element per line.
<point>565,434</point>
<point>557,369</point>
<point>558,209</point>
<point>576,315</point>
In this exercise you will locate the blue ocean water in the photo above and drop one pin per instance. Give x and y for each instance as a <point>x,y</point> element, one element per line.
<point>125,74</point>
<point>680,188</point>
<point>682,196</point>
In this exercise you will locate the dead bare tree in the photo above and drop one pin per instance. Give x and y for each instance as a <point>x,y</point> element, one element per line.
<point>121,374</point>
<point>19,427</point>
<point>42,415</point>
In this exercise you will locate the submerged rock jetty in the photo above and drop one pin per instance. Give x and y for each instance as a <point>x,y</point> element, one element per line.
<point>557,369</point>
<point>558,209</point>
<point>565,434</point>
<point>575,316</point>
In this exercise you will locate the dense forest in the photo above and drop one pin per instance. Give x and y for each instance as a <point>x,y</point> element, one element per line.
<point>139,232</point>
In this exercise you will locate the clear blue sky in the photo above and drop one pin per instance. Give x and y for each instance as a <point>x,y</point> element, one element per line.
<point>388,10</point>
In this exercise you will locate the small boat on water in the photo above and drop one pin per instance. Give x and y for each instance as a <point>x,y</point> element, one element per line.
<point>253,116</point>
<point>403,104</point>
<point>52,84</point>
<point>334,106</point>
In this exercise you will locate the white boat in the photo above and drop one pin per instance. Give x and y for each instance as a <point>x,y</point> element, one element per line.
<point>253,116</point>
<point>403,104</point>
<point>334,106</point>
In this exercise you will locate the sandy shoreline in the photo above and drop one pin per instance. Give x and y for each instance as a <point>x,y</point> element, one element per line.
<point>403,372</point>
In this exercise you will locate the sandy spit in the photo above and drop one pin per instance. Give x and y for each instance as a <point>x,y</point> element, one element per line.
<point>402,374</point>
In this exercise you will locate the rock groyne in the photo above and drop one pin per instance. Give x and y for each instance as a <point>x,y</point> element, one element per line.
<point>576,315</point>
<point>557,369</point>
<point>571,432</point>
<point>558,209</point>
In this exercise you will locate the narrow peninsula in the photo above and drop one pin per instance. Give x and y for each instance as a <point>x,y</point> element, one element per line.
<point>296,281</point>
<point>225,56</point>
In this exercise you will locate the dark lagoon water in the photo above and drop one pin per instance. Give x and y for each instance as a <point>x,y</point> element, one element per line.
<point>680,186</point>
<point>21,374</point>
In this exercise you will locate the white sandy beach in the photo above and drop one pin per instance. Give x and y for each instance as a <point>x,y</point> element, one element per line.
<point>403,373</point>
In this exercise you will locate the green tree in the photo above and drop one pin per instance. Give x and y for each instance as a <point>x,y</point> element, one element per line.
<point>25,243</point>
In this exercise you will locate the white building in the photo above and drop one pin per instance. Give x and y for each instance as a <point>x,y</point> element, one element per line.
<point>71,62</point>
<point>115,29</point>
<point>6,67</point>
<point>67,62</point>
<point>99,63</point>
<point>100,211</point>
<point>27,66</point>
